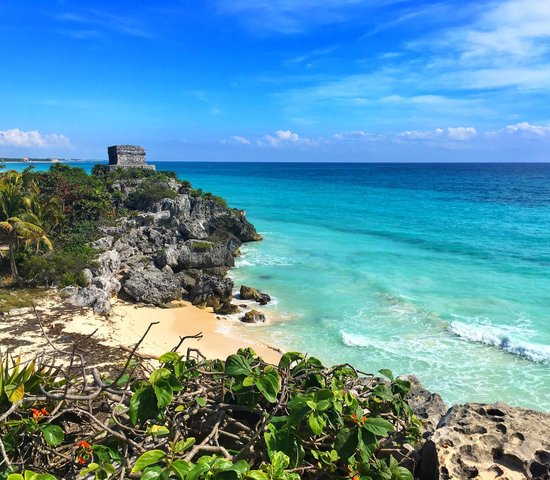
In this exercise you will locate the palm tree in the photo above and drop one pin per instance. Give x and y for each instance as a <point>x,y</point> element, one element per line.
<point>23,230</point>
<point>17,221</point>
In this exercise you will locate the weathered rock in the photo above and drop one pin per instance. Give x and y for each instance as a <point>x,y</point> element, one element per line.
<point>210,291</point>
<point>227,308</point>
<point>249,293</point>
<point>488,441</point>
<point>153,286</point>
<point>427,406</point>
<point>98,299</point>
<point>253,316</point>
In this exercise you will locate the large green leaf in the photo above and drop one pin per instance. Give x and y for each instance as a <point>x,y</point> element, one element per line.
<point>282,438</point>
<point>53,435</point>
<point>268,384</point>
<point>289,358</point>
<point>148,458</point>
<point>181,468</point>
<point>346,443</point>
<point>237,365</point>
<point>143,405</point>
<point>316,423</point>
<point>378,426</point>
<point>164,394</point>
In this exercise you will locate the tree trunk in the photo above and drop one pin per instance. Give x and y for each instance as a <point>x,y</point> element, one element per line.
<point>13,264</point>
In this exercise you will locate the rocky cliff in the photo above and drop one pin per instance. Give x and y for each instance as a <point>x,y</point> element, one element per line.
<point>166,249</point>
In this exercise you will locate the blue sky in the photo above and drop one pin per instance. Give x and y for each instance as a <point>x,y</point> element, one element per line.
<point>287,80</point>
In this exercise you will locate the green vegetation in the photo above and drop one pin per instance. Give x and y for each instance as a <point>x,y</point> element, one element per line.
<point>48,219</point>
<point>238,419</point>
<point>201,246</point>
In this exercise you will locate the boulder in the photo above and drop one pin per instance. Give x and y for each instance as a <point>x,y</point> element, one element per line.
<point>253,316</point>
<point>210,291</point>
<point>92,297</point>
<point>227,308</point>
<point>153,286</point>
<point>427,406</point>
<point>249,293</point>
<point>489,441</point>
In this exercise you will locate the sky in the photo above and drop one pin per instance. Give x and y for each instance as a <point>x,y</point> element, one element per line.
<point>277,80</point>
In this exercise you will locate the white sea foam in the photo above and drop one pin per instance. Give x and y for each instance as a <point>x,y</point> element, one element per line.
<point>500,338</point>
<point>251,258</point>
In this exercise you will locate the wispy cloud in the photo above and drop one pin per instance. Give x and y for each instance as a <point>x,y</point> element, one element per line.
<point>297,16</point>
<point>93,23</point>
<point>285,137</point>
<point>236,140</point>
<point>29,139</point>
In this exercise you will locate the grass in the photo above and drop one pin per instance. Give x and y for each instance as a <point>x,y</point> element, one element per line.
<point>13,297</point>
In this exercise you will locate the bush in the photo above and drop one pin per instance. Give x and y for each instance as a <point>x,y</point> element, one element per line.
<point>201,246</point>
<point>148,193</point>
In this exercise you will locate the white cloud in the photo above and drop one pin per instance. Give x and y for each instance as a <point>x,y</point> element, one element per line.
<point>19,138</point>
<point>285,137</point>
<point>237,139</point>
<point>525,130</point>
<point>450,133</point>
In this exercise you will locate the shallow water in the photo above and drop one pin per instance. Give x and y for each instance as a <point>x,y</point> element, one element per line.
<point>436,269</point>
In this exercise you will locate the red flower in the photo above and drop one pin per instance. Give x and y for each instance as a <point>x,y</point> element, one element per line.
<point>38,414</point>
<point>83,444</point>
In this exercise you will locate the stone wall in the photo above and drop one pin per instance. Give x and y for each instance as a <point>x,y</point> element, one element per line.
<point>127,156</point>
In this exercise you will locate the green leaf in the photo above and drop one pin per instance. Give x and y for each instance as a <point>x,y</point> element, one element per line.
<point>316,423</point>
<point>285,440</point>
<point>29,474</point>
<point>164,394</point>
<point>183,445</point>
<point>152,473</point>
<point>169,357</point>
<point>15,476</point>
<point>147,459</point>
<point>181,468</point>
<point>159,374</point>
<point>237,366</point>
<point>400,473</point>
<point>201,401</point>
<point>255,475</point>
<point>279,461</point>
<point>14,392</point>
<point>158,430</point>
<point>387,373</point>
<point>288,358</point>
<point>249,381</point>
<point>143,405</point>
<point>367,444</point>
<point>346,443</point>
<point>378,426</point>
<point>53,435</point>
<point>268,385</point>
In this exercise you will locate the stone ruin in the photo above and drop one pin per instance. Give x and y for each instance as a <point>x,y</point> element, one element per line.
<point>125,156</point>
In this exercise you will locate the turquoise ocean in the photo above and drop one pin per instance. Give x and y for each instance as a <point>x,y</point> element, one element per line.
<point>442,270</point>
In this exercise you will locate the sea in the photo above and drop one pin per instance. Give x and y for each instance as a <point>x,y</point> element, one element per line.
<point>441,270</point>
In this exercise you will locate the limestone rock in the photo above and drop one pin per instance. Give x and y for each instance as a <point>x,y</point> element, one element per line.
<point>98,299</point>
<point>488,441</point>
<point>253,316</point>
<point>249,293</point>
<point>153,286</point>
<point>227,308</point>
<point>427,406</point>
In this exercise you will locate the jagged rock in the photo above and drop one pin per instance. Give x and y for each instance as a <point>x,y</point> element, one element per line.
<point>253,316</point>
<point>427,406</point>
<point>109,263</point>
<point>98,299</point>
<point>88,276</point>
<point>488,441</point>
<point>210,291</point>
<point>227,308</point>
<point>153,286</point>
<point>108,283</point>
<point>249,293</point>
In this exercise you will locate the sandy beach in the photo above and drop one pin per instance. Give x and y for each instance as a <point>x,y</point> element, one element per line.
<point>62,324</point>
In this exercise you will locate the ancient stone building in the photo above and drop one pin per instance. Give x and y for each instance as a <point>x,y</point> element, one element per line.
<point>124,156</point>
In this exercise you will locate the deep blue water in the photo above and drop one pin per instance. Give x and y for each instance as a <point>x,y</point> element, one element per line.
<point>442,270</point>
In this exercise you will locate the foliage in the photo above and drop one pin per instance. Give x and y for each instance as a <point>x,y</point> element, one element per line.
<point>238,419</point>
<point>150,191</point>
<point>201,246</point>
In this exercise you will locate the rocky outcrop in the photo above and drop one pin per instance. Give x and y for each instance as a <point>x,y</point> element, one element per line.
<point>249,293</point>
<point>173,248</point>
<point>490,442</point>
<point>153,286</point>
<point>253,316</point>
<point>96,298</point>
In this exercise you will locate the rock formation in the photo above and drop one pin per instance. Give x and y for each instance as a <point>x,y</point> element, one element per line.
<point>178,247</point>
<point>490,442</point>
<point>124,156</point>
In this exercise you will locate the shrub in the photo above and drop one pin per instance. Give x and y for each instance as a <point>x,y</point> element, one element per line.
<point>202,246</point>
<point>148,193</point>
